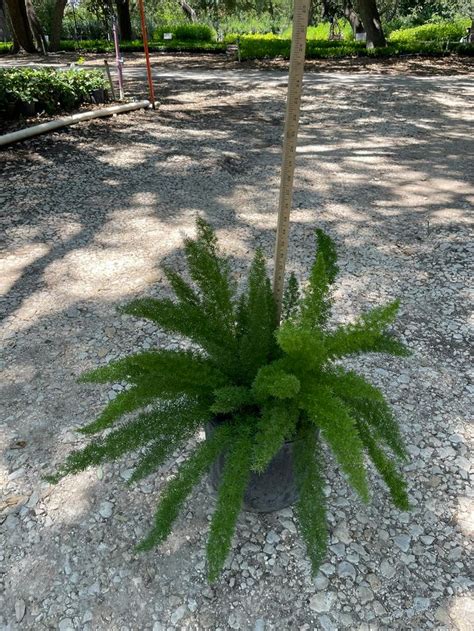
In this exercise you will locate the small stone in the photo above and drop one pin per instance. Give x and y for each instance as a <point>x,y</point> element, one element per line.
<point>234,621</point>
<point>374,581</point>
<point>192,605</point>
<point>158,627</point>
<point>379,608</point>
<point>326,623</point>
<point>126,474</point>
<point>178,614</point>
<point>320,582</point>
<point>321,602</point>
<point>268,549</point>
<point>66,625</point>
<point>421,604</point>
<point>272,537</point>
<point>403,542</point>
<point>328,569</point>
<point>342,534</point>
<point>442,615</point>
<point>387,569</point>
<point>259,625</point>
<point>455,554</point>
<point>87,617</point>
<point>102,352</point>
<point>105,509</point>
<point>20,610</point>
<point>289,525</point>
<point>365,594</point>
<point>16,474</point>
<point>94,588</point>
<point>34,498</point>
<point>346,569</point>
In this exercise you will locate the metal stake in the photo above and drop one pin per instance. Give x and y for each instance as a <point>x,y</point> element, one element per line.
<point>147,54</point>
<point>118,59</point>
<point>295,85</point>
<point>107,70</point>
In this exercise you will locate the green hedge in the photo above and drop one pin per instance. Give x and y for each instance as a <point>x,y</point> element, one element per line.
<point>5,47</point>
<point>51,90</point>
<point>103,46</point>
<point>436,32</point>
<point>270,46</point>
<point>187,33</point>
<point>321,31</point>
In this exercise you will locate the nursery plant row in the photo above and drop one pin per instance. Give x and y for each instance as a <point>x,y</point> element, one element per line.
<point>24,91</point>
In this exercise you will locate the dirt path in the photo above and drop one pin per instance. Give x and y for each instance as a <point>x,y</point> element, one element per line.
<point>88,215</point>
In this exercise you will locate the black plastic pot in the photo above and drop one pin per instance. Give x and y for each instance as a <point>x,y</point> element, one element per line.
<point>27,109</point>
<point>11,110</point>
<point>98,96</point>
<point>269,491</point>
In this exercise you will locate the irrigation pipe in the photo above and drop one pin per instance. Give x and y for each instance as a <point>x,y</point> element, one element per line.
<point>36,130</point>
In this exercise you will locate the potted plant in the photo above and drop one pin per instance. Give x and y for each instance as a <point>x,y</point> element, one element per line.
<point>268,395</point>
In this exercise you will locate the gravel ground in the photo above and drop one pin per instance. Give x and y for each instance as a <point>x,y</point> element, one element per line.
<point>385,165</point>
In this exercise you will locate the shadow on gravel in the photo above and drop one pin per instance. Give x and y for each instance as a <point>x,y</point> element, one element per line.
<point>223,146</point>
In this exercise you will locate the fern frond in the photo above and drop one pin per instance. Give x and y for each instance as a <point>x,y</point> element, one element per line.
<point>327,247</point>
<point>257,343</point>
<point>183,291</point>
<point>124,403</point>
<point>174,429</point>
<point>190,321</point>
<point>172,371</point>
<point>368,404</point>
<point>392,478</point>
<point>316,304</point>
<point>231,398</point>
<point>127,438</point>
<point>347,384</point>
<point>273,380</point>
<point>339,429</point>
<point>380,418</point>
<point>277,423</point>
<point>304,345</point>
<point>291,298</point>
<point>229,501</point>
<point>211,273</point>
<point>311,505</point>
<point>367,334</point>
<point>181,486</point>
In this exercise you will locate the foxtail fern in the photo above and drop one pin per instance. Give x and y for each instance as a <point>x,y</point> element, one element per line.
<point>260,383</point>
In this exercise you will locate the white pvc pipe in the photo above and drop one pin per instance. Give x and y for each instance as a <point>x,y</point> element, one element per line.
<point>36,130</point>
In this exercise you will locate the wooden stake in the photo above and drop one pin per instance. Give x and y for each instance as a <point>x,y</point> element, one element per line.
<point>107,70</point>
<point>295,85</point>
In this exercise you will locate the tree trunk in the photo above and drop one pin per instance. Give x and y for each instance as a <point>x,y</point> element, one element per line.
<point>353,18</point>
<point>22,31</point>
<point>57,23</point>
<point>4,30</point>
<point>125,24</point>
<point>188,10</point>
<point>36,28</point>
<point>370,17</point>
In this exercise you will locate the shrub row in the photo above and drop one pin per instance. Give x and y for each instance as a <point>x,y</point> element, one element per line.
<point>428,38</point>
<point>103,46</point>
<point>5,47</point>
<point>437,32</point>
<point>23,90</point>
<point>186,32</point>
<point>269,46</point>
